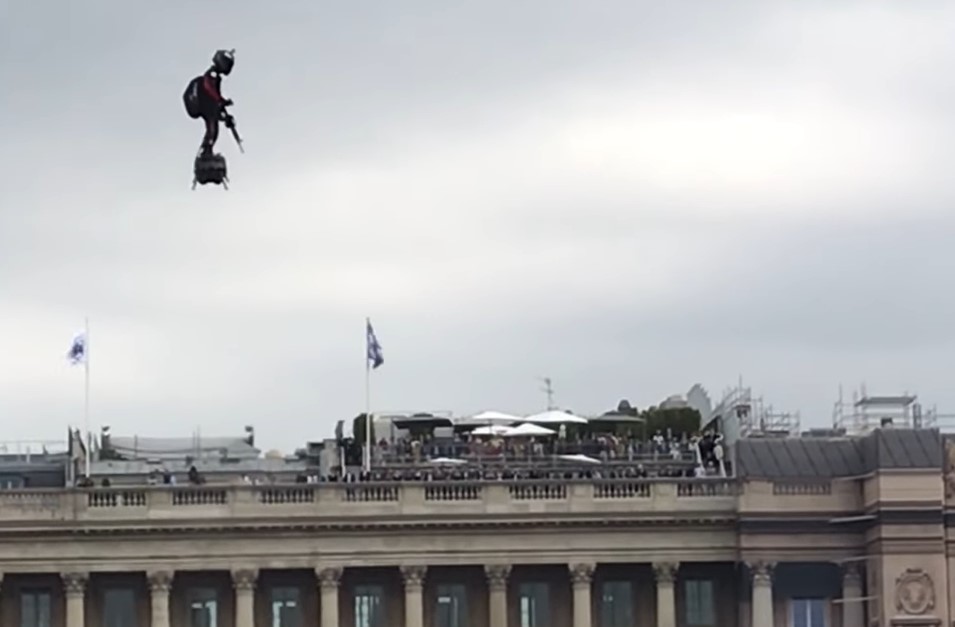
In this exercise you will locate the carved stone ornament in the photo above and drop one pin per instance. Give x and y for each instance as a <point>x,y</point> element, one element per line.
<point>762,572</point>
<point>914,592</point>
<point>75,583</point>
<point>329,577</point>
<point>159,581</point>
<point>581,574</point>
<point>497,575</point>
<point>244,578</point>
<point>665,572</point>
<point>413,576</point>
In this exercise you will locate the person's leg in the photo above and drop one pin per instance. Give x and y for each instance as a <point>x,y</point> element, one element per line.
<point>212,133</point>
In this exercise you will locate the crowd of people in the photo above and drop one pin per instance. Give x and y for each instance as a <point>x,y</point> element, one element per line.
<point>480,473</point>
<point>501,459</point>
<point>603,448</point>
<point>461,457</point>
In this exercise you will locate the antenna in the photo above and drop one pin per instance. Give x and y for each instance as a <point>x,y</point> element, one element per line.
<point>549,390</point>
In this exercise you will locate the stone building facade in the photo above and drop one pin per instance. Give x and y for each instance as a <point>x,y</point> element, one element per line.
<point>812,532</point>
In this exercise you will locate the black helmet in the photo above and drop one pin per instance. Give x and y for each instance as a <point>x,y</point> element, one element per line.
<point>223,60</point>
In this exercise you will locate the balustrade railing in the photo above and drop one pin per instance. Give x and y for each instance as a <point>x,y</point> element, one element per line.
<point>361,499</point>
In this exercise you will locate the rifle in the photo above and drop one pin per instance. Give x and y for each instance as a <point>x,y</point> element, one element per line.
<point>230,124</point>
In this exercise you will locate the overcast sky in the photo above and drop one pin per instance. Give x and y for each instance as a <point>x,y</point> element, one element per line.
<point>627,197</point>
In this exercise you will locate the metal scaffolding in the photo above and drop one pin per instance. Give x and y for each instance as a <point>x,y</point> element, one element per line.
<point>865,413</point>
<point>742,414</point>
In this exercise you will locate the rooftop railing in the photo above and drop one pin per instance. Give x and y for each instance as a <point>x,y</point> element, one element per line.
<point>366,502</point>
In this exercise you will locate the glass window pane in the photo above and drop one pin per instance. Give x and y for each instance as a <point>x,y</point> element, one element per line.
<point>451,606</point>
<point>616,604</point>
<point>285,607</point>
<point>368,611</point>
<point>707,603</point>
<point>535,605</point>
<point>798,613</point>
<point>203,607</point>
<point>27,610</point>
<point>809,612</point>
<point>44,607</point>
<point>35,608</point>
<point>119,608</point>
<point>700,603</point>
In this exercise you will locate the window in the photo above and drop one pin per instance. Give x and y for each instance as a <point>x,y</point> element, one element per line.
<point>119,608</point>
<point>35,608</point>
<point>616,604</point>
<point>368,606</point>
<point>808,612</point>
<point>203,608</point>
<point>452,606</point>
<point>700,608</point>
<point>286,611</point>
<point>534,605</point>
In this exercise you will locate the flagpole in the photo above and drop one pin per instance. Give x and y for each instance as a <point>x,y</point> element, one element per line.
<point>368,425</point>
<point>86,396</point>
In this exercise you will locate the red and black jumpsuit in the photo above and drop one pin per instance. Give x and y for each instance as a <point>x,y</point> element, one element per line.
<point>211,104</point>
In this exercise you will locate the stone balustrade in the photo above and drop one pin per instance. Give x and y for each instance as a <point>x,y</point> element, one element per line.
<point>372,500</point>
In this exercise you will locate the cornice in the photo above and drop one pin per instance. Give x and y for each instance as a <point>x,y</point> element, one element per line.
<point>278,560</point>
<point>424,525</point>
<point>904,546</point>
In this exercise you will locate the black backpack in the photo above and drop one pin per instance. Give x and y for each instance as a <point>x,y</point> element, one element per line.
<point>190,98</point>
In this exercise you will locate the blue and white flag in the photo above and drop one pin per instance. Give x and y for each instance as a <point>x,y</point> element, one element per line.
<point>77,353</point>
<point>374,355</point>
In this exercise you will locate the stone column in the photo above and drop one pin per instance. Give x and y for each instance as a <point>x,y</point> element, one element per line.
<point>413,577</point>
<point>329,580</point>
<point>853,607</point>
<point>665,574</point>
<point>160,582</point>
<point>74,586</point>
<point>497,576</point>
<point>243,581</point>
<point>762,575</point>
<point>581,576</point>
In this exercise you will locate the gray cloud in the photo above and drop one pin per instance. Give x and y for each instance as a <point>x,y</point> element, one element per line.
<point>628,198</point>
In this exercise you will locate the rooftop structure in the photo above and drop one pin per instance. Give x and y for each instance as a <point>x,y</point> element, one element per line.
<point>743,414</point>
<point>137,460</point>
<point>867,412</point>
<point>196,447</point>
<point>33,464</point>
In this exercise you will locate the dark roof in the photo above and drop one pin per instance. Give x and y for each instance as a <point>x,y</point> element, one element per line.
<point>821,458</point>
<point>803,458</point>
<point>903,448</point>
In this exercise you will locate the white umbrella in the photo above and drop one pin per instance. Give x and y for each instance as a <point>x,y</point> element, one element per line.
<point>491,430</point>
<point>447,460</point>
<point>555,416</point>
<point>580,458</point>
<point>527,429</point>
<point>494,416</point>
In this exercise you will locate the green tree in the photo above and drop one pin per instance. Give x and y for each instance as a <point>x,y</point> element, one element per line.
<point>680,420</point>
